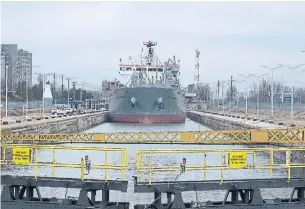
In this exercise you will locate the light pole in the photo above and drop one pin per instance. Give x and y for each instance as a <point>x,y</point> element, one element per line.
<point>43,81</point>
<point>292,68</point>
<point>27,92</point>
<point>43,85</point>
<point>246,77</point>
<point>236,82</point>
<point>272,88</point>
<point>218,85</point>
<point>6,72</point>
<point>68,79</point>
<point>223,101</point>
<point>257,96</point>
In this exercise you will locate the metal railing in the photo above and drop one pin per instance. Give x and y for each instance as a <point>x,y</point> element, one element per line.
<point>270,136</point>
<point>228,159</point>
<point>29,155</point>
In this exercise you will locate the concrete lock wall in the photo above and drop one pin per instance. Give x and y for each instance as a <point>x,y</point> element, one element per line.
<point>69,124</point>
<point>215,123</point>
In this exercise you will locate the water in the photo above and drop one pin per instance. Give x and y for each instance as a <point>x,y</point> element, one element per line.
<point>159,159</point>
<point>135,127</point>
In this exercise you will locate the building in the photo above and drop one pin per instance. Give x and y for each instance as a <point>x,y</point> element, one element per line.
<point>190,88</point>
<point>24,67</point>
<point>108,86</point>
<point>19,64</point>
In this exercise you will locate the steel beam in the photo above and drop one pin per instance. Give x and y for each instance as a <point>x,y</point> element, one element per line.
<point>64,183</point>
<point>172,186</point>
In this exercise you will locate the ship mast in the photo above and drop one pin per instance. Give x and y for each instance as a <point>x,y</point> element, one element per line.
<point>150,56</point>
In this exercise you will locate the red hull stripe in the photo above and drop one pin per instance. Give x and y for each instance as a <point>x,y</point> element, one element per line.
<point>148,118</point>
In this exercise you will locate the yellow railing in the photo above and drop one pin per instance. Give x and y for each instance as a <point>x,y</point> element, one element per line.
<point>271,136</point>
<point>29,155</point>
<point>148,161</point>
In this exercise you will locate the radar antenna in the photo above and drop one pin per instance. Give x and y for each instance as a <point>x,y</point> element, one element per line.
<point>149,45</point>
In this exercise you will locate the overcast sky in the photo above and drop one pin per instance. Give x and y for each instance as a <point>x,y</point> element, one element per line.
<point>86,39</point>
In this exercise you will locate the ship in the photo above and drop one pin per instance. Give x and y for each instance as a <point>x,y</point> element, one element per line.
<point>152,93</point>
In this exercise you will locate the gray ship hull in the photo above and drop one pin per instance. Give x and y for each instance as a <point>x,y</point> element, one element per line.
<point>146,105</point>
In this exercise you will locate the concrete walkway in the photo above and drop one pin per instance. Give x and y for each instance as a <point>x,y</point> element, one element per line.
<point>255,124</point>
<point>43,120</point>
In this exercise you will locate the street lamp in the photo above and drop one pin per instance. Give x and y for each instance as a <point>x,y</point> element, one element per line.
<point>292,68</point>
<point>246,77</point>
<point>6,90</point>
<point>257,96</point>
<point>272,88</point>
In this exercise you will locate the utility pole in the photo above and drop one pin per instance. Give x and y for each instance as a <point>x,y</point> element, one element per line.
<point>231,88</point>
<point>54,88</point>
<point>62,87</point>
<point>74,88</point>
<point>69,91</point>
<point>223,101</point>
<point>27,94</point>
<point>218,86</point>
<point>231,95</point>
<point>43,84</point>
<point>6,72</point>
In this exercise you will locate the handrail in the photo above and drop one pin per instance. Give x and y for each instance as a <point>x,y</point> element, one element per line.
<point>28,155</point>
<point>228,159</point>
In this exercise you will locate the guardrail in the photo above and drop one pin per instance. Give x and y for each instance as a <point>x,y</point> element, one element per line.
<point>148,161</point>
<point>270,136</point>
<point>35,156</point>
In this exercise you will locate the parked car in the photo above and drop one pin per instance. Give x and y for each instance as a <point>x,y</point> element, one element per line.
<point>54,110</point>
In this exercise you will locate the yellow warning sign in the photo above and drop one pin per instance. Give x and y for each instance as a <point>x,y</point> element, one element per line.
<point>237,159</point>
<point>21,155</point>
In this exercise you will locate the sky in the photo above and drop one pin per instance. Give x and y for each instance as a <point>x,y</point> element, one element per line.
<point>86,39</point>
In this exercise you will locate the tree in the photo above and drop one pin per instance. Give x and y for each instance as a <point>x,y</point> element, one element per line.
<point>232,94</point>
<point>204,92</point>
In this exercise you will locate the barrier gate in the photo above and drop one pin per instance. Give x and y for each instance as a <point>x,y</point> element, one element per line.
<point>270,136</point>
<point>221,160</point>
<point>86,158</point>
